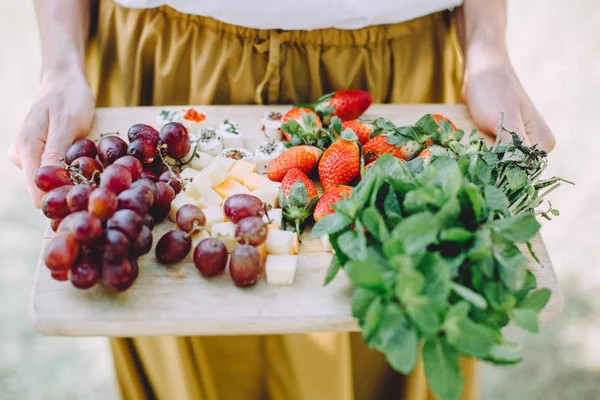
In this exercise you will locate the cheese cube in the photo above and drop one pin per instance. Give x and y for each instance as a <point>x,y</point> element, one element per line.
<point>199,186</point>
<point>209,199</point>
<point>216,172</point>
<point>268,194</point>
<point>226,161</point>
<point>179,201</point>
<point>239,190</point>
<point>262,251</point>
<point>255,181</point>
<point>272,226</point>
<point>225,232</point>
<point>188,173</point>
<point>280,242</point>
<point>325,243</point>
<point>275,215</point>
<point>228,185</point>
<point>197,238</point>
<point>296,247</point>
<point>201,160</point>
<point>241,170</point>
<point>213,215</point>
<point>281,270</point>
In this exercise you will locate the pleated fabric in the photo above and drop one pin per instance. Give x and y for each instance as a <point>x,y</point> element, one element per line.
<point>161,57</point>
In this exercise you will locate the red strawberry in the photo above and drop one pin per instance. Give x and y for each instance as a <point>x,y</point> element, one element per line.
<point>340,164</point>
<point>425,155</point>
<point>305,158</point>
<point>439,117</point>
<point>331,197</point>
<point>379,145</point>
<point>345,104</point>
<point>362,129</point>
<point>303,123</point>
<point>294,175</point>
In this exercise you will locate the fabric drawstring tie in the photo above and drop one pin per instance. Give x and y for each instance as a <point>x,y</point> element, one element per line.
<point>272,77</point>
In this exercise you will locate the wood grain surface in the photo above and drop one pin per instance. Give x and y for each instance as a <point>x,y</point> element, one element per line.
<point>178,301</point>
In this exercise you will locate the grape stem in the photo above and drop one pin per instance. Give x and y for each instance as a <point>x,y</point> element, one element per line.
<point>196,227</point>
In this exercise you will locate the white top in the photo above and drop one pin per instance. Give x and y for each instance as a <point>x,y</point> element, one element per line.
<point>302,14</point>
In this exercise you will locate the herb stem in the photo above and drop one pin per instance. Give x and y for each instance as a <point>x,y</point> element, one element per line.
<point>499,131</point>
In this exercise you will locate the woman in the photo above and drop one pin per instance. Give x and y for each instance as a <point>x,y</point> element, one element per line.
<point>265,52</point>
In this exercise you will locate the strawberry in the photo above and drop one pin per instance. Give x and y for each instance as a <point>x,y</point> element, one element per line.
<point>439,117</point>
<point>294,175</point>
<point>305,158</point>
<point>297,197</point>
<point>331,197</point>
<point>425,155</point>
<point>362,129</point>
<point>301,125</point>
<point>379,145</point>
<point>345,104</point>
<point>341,162</point>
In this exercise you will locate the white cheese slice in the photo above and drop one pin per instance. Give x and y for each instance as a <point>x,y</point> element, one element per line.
<point>280,241</point>
<point>213,215</point>
<point>271,125</point>
<point>225,232</point>
<point>209,141</point>
<point>201,160</point>
<point>226,161</point>
<point>216,172</point>
<point>210,198</point>
<point>200,185</point>
<point>265,153</point>
<point>281,269</point>
<point>237,153</point>
<point>275,215</point>
<point>231,134</point>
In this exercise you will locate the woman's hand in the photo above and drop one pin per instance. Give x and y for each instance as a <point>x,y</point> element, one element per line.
<point>490,87</point>
<point>61,112</point>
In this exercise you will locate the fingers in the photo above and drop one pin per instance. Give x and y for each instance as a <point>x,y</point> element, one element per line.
<point>513,122</point>
<point>61,132</point>
<point>28,148</point>
<point>537,130</point>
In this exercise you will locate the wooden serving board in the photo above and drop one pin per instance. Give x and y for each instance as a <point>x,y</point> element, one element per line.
<point>178,301</point>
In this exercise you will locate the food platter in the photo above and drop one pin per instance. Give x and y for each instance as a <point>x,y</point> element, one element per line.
<point>178,301</point>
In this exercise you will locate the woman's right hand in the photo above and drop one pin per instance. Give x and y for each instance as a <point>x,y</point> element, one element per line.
<point>62,112</point>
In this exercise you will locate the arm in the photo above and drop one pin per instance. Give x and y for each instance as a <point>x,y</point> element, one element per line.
<point>64,105</point>
<point>490,83</point>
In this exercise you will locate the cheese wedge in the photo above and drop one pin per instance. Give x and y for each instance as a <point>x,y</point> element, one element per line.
<point>280,242</point>
<point>241,170</point>
<point>280,270</point>
<point>225,232</point>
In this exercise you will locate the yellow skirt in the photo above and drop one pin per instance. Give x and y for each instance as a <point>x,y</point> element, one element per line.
<point>161,57</point>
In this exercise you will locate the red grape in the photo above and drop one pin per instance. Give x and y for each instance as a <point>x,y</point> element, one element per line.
<point>173,247</point>
<point>54,224</point>
<point>78,197</point>
<point>157,166</point>
<point>119,275</point>
<point>240,206</point>
<point>149,184</point>
<point>148,221</point>
<point>126,221</point>
<point>138,199</point>
<point>245,265</point>
<point>110,149</point>
<point>172,179</point>
<point>116,178</point>
<point>252,231</point>
<point>148,174</point>
<point>189,214</point>
<point>162,203</point>
<point>143,149</point>
<point>176,137</point>
<point>61,276</point>
<point>143,243</point>
<point>141,131</point>
<point>102,203</point>
<point>80,148</point>
<point>85,274</point>
<point>61,252</point>
<point>133,164</point>
<point>65,224</point>
<point>86,166</point>
<point>116,245</point>
<point>50,177</point>
<point>54,204</point>
<point>210,257</point>
<point>85,228</point>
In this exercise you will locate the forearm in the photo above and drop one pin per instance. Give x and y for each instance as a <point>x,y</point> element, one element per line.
<point>64,27</point>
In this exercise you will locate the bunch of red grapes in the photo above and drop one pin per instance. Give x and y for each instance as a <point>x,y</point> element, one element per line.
<point>105,200</point>
<point>210,255</point>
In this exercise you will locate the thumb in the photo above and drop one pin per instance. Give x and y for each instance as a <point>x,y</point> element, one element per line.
<point>60,136</point>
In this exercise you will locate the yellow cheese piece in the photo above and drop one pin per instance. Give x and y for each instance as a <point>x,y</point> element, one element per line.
<point>280,269</point>
<point>213,215</point>
<point>296,247</point>
<point>199,185</point>
<point>267,195</point>
<point>226,161</point>
<point>210,199</point>
<point>280,241</point>
<point>227,186</point>
<point>225,232</point>
<point>262,250</point>
<point>179,201</point>
<point>275,216</point>
<point>216,172</point>
<point>255,181</point>
<point>242,170</point>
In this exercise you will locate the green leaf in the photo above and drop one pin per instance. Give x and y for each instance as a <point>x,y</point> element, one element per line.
<point>336,125</point>
<point>482,246</point>
<point>331,223</point>
<point>536,300</point>
<point>447,175</point>
<point>495,198</point>
<point>417,231</point>
<point>516,177</point>
<point>458,235</point>
<point>397,339</point>
<point>391,206</point>
<point>283,200</point>
<point>348,134</point>
<point>506,353</point>
<point>353,244</point>
<point>420,199</point>
<point>442,369</point>
<point>298,194</point>
<point>480,171</point>
<point>473,203</point>
<point>427,124</point>
<point>409,282</point>
<point>372,319</point>
<point>518,229</point>
<point>437,276</point>
<point>361,300</point>
<point>424,315</point>
<point>332,271</point>
<point>513,155</point>
<point>472,339</point>
<point>416,165</point>
<point>513,265</point>
<point>375,224</point>
<point>555,212</point>
<point>526,318</point>
<point>449,212</point>
<point>474,298</point>
<point>365,274</point>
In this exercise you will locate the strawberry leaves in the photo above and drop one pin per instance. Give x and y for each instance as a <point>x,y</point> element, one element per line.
<point>305,132</point>
<point>297,207</point>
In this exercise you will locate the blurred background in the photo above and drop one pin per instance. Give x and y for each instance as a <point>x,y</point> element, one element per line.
<point>555,49</point>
